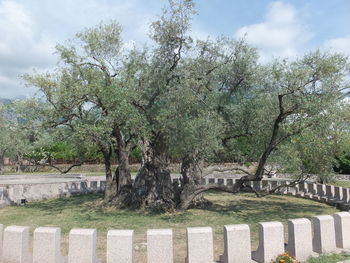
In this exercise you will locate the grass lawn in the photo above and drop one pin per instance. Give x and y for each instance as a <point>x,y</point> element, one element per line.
<point>85,212</point>
<point>330,258</point>
<point>342,183</point>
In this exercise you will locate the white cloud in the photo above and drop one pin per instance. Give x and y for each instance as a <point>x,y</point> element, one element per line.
<point>281,34</point>
<point>341,44</point>
<point>22,46</point>
<point>29,30</point>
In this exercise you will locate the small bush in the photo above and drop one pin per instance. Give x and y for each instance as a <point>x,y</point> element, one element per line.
<point>285,258</point>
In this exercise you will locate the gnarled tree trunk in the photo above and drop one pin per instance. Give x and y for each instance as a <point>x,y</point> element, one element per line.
<point>111,186</point>
<point>153,187</point>
<point>118,184</point>
<point>191,172</point>
<point>122,178</point>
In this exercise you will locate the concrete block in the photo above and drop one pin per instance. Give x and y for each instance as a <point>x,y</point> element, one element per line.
<point>160,246</point>
<point>299,238</point>
<point>266,185</point>
<point>324,199</point>
<point>338,193</point>
<point>299,194</point>
<point>303,187</point>
<point>284,189</point>
<point>82,246</point>
<point>200,245</point>
<point>324,234</point>
<point>271,242</point>
<point>316,197</point>
<point>330,191</point>
<point>321,189</point>
<point>312,188</point>
<point>74,186</point>
<point>308,195</point>
<point>102,185</point>
<point>257,185</point>
<point>47,245</point>
<point>120,246</point>
<point>93,185</point>
<point>237,244</point>
<point>83,186</point>
<point>342,229</point>
<point>292,190</point>
<point>16,245</point>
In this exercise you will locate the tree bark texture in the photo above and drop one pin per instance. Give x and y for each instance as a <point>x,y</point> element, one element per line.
<point>153,186</point>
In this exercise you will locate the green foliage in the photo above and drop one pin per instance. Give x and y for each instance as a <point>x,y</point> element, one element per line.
<point>285,258</point>
<point>203,99</point>
<point>136,155</point>
<point>343,164</point>
<point>329,258</point>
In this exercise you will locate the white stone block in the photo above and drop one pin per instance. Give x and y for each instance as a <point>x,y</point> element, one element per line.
<point>330,191</point>
<point>237,244</point>
<point>324,234</point>
<point>47,245</point>
<point>82,246</point>
<point>312,188</point>
<point>271,242</point>
<point>200,245</point>
<point>303,187</point>
<point>321,189</point>
<point>120,246</point>
<point>16,245</point>
<point>338,193</point>
<point>342,229</point>
<point>211,180</point>
<point>266,185</point>
<point>299,238</point>
<point>257,185</point>
<point>160,246</point>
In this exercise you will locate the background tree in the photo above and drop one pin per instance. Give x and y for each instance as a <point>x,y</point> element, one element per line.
<point>293,98</point>
<point>90,95</point>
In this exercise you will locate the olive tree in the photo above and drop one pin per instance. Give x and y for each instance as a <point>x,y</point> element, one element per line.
<point>89,94</point>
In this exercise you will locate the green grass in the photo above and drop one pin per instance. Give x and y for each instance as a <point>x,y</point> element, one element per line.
<point>329,258</point>
<point>85,212</point>
<point>342,183</point>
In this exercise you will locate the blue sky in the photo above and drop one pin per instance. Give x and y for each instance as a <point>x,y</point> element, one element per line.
<point>29,29</point>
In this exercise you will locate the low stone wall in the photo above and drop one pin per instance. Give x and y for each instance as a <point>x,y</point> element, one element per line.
<point>13,191</point>
<point>324,234</point>
<point>17,193</point>
<point>330,194</point>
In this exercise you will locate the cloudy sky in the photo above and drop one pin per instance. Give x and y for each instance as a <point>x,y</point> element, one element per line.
<point>29,29</point>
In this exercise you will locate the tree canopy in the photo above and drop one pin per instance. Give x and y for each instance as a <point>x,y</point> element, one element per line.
<point>191,101</point>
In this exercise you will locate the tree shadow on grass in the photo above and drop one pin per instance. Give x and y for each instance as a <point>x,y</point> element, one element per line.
<point>54,206</point>
<point>249,210</point>
<point>268,209</point>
